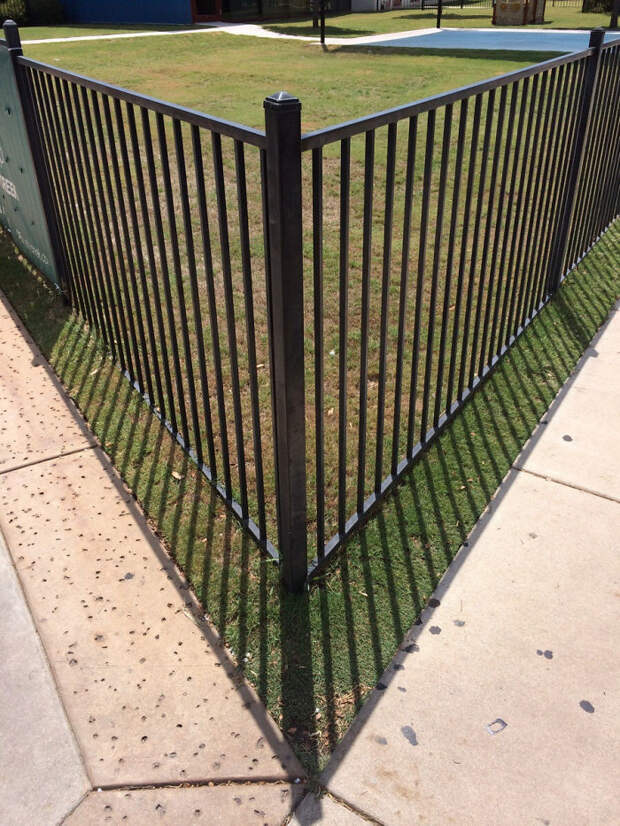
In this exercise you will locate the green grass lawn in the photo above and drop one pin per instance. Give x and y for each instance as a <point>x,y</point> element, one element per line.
<point>361,24</point>
<point>230,76</point>
<point>327,649</point>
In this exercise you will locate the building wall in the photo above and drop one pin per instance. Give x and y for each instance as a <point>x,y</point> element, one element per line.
<point>128,11</point>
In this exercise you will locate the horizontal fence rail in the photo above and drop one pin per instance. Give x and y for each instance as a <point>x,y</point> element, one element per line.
<point>306,313</point>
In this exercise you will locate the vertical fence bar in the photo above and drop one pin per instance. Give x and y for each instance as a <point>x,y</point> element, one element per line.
<point>426,194</point>
<point>385,293</point>
<point>369,168</point>
<point>447,130</point>
<point>345,183</point>
<point>589,88</point>
<point>13,41</point>
<point>283,131</point>
<point>319,393</point>
<point>404,280</point>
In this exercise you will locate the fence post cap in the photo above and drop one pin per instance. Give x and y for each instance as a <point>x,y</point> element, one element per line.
<point>596,37</point>
<point>281,100</point>
<point>11,32</point>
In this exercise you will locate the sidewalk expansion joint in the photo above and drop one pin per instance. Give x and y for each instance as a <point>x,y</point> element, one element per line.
<point>74,808</point>
<point>48,459</point>
<point>198,784</point>
<point>566,484</point>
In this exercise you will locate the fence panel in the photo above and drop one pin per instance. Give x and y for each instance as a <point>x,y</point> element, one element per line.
<point>443,232</point>
<point>166,253</point>
<point>339,295</point>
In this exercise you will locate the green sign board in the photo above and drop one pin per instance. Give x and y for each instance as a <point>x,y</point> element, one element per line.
<point>21,209</point>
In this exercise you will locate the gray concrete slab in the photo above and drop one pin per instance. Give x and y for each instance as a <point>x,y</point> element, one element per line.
<point>579,444</point>
<point>151,694</point>
<point>503,705</point>
<point>41,774</point>
<point>37,419</point>
<point>519,40</point>
<point>230,805</point>
<point>325,810</point>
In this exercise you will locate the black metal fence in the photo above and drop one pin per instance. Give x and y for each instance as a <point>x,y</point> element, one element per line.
<point>461,4</point>
<point>306,313</point>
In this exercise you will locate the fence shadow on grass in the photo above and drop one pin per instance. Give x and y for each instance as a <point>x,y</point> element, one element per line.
<point>314,659</point>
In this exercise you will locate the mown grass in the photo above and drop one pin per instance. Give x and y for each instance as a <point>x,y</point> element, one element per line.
<point>230,76</point>
<point>360,24</point>
<point>314,658</point>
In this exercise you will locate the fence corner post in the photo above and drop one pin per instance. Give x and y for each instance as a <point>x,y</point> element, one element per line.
<point>286,328</point>
<point>24,91</point>
<point>597,37</point>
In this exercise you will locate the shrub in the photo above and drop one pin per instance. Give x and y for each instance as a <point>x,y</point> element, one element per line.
<point>14,10</point>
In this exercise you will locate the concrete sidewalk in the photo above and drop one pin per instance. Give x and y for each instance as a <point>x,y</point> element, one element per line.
<point>118,703</point>
<point>502,707</point>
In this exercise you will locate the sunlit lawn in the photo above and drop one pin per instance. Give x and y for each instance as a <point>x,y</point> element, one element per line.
<point>229,76</point>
